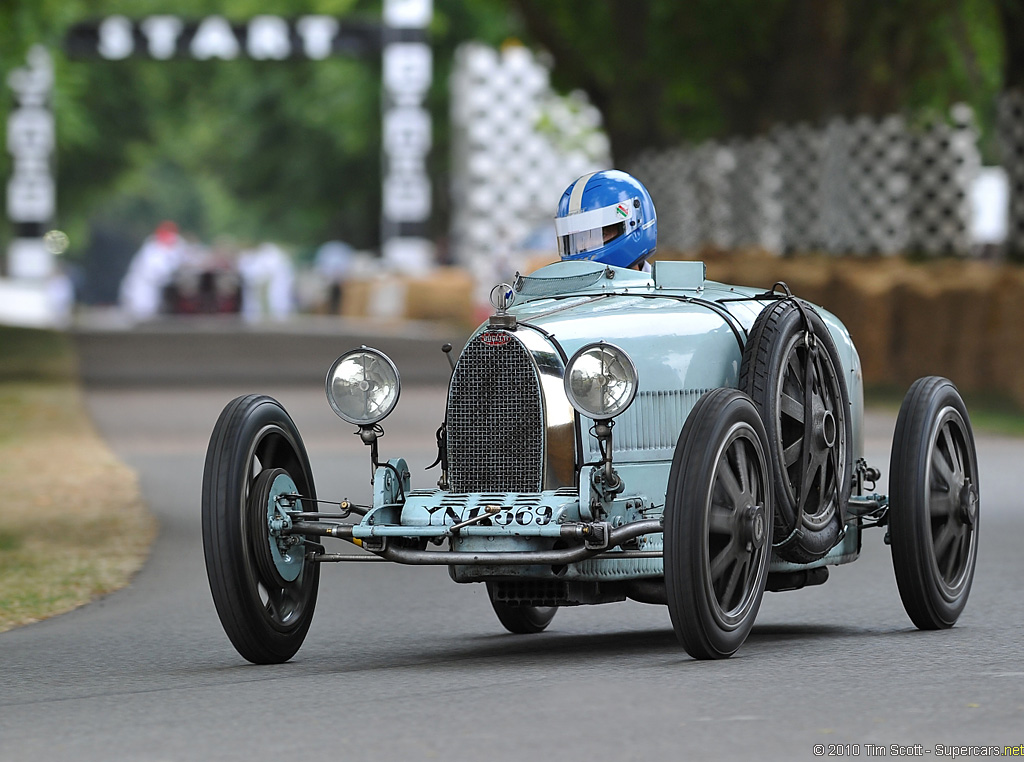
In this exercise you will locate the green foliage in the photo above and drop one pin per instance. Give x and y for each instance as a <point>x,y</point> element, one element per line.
<point>242,149</point>
<point>251,150</point>
<point>664,71</point>
<point>259,150</point>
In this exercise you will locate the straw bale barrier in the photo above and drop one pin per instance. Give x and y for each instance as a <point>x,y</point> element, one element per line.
<point>957,318</point>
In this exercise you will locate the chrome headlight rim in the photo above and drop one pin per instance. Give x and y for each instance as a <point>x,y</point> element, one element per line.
<point>387,410</point>
<point>627,363</point>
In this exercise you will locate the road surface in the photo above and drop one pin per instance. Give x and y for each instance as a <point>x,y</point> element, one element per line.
<point>401,663</point>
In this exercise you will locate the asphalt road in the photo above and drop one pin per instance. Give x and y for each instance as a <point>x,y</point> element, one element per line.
<point>401,663</point>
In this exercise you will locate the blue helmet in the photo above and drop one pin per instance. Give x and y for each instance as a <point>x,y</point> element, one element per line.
<point>608,217</point>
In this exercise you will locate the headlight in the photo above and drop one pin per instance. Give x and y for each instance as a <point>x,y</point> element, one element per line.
<point>363,386</point>
<point>600,381</point>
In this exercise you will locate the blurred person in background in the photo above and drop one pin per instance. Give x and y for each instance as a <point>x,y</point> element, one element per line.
<point>151,271</point>
<point>207,282</point>
<point>268,283</point>
<point>334,263</point>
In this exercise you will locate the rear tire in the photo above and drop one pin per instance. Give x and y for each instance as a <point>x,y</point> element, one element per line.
<point>933,503</point>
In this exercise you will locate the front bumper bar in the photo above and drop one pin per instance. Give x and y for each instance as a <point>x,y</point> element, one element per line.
<point>597,538</point>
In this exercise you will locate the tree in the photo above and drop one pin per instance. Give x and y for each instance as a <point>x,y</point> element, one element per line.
<point>1011,14</point>
<point>664,71</point>
<point>288,151</point>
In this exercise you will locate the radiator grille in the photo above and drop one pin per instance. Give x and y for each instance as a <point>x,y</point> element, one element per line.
<point>650,428</point>
<point>654,420</point>
<point>495,418</point>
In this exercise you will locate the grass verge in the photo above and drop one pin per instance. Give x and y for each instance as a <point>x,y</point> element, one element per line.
<point>72,522</point>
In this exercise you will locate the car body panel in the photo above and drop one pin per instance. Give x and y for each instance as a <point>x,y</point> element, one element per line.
<point>685,336</point>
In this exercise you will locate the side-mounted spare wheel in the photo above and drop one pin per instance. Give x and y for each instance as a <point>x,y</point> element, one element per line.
<point>718,525</point>
<point>263,587</point>
<point>792,371</point>
<point>933,503</point>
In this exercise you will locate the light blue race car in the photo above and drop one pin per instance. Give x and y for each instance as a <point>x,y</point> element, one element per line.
<point>609,434</point>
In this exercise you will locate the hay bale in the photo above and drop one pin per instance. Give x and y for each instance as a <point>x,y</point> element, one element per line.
<point>919,327</point>
<point>860,294</point>
<point>968,291</point>
<point>444,294</point>
<point>1005,338</point>
<point>355,298</point>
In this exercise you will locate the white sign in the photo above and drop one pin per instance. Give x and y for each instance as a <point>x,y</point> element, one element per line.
<point>269,38</point>
<point>116,38</point>
<point>32,84</point>
<point>264,37</point>
<point>317,33</point>
<point>215,39</point>
<point>31,195</point>
<point>162,33</point>
<point>990,206</point>
<point>408,14</point>
<point>408,69</point>
<point>27,258</point>
<point>26,303</point>
<point>407,132</point>
<point>407,74</point>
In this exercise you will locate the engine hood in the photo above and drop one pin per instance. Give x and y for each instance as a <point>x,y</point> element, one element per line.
<point>684,334</point>
<point>679,338</point>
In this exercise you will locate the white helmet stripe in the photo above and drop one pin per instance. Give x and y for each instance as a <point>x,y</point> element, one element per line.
<point>594,219</point>
<point>576,197</point>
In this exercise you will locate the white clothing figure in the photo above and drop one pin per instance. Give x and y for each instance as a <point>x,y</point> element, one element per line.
<point>333,264</point>
<point>268,283</point>
<point>150,271</point>
<point>334,260</point>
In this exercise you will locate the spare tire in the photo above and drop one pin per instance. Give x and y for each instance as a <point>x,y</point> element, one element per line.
<point>797,385</point>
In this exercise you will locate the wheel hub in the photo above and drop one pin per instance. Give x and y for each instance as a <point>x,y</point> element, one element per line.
<point>968,504</point>
<point>287,556</point>
<point>753,528</point>
<point>824,427</point>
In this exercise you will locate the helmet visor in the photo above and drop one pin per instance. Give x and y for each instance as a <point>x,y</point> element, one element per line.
<point>589,231</point>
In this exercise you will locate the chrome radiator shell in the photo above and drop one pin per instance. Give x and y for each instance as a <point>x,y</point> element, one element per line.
<point>509,424</point>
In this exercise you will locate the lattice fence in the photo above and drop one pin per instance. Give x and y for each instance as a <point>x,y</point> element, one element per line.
<point>516,146</point>
<point>853,186</point>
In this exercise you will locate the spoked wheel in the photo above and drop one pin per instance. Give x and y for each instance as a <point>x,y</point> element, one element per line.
<point>718,525</point>
<point>933,503</point>
<point>796,383</point>
<point>263,587</point>
<point>522,620</point>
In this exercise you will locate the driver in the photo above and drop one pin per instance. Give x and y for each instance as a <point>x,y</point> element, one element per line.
<point>607,217</point>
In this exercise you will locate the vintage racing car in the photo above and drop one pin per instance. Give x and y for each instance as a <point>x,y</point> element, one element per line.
<point>608,435</point>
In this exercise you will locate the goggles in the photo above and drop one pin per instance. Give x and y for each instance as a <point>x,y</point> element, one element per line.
<point>585,231</point>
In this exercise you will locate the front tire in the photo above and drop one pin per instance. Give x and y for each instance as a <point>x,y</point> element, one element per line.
<point>265,600</point>
<point>933,503</point>
<point>718,525</point>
